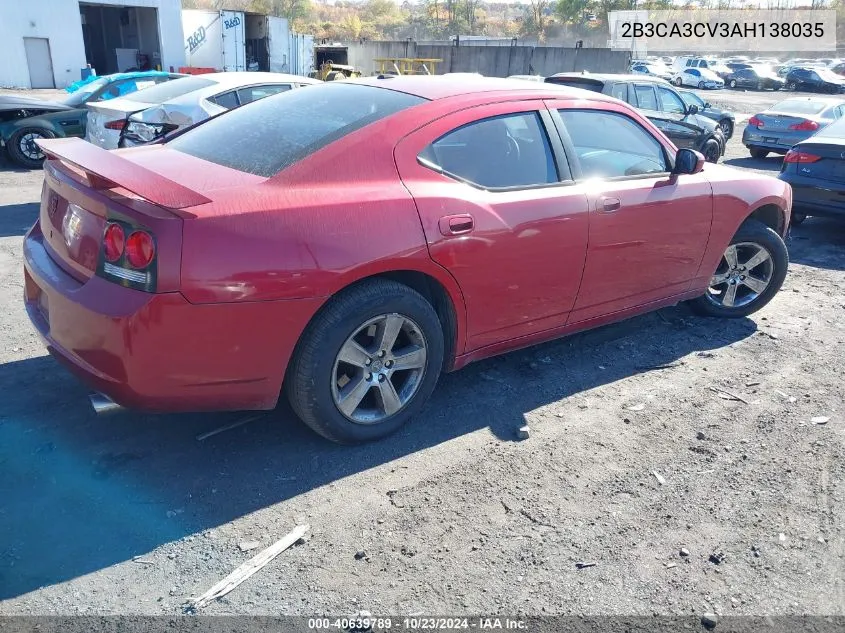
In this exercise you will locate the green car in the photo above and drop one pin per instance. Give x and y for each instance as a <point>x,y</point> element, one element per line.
<point>23,120</point>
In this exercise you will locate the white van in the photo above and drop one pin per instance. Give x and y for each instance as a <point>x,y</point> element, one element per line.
<point>715,65</point>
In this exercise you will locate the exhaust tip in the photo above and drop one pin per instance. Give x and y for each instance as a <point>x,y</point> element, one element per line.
<point>102,404</point>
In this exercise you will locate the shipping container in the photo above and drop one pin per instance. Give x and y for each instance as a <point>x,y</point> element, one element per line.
<point>215,39</point>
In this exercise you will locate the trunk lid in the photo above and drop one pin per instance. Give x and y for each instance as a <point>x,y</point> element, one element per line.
<point>831,165</point>
<point>151,188</point>
<point>780,122</point>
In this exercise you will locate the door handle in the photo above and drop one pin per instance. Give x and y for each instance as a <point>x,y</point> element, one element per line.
<point>609,205</point>
<point>456,224</point>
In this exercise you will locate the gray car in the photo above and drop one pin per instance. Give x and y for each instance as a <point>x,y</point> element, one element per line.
<point>788,122</point>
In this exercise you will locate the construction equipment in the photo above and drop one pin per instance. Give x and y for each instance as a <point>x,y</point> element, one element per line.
<point>406,65</point>
<point>329,71</point>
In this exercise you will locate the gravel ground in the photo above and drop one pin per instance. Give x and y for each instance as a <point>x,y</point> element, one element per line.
<point>687,499</point>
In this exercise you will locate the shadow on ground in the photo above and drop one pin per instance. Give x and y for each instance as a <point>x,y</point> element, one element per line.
<point>771,163</point>
<point>17,218</point>
<point>81,493</point>
<point>819,242</point>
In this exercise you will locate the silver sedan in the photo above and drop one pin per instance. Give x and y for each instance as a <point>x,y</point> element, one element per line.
<point>788,122</point>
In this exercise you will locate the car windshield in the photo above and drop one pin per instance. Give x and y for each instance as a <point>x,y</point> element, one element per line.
<point>266,136</point>
<point>171,89</point>
<point>799,106</point>
<point>76,99</point>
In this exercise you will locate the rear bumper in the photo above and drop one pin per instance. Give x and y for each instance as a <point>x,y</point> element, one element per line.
<point>817,198</point>
<point>159,352</point>
<point>781,142</point>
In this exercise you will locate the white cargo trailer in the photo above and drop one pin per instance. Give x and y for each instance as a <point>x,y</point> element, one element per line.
<point>272,47</point>
<point>215,39</point>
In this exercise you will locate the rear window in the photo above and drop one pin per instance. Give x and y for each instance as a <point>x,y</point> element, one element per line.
<point>266,136</point>
<point>172,89</point>
<point>799,106</point>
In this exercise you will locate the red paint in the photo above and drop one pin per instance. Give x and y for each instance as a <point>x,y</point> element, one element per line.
<point>243,263</point>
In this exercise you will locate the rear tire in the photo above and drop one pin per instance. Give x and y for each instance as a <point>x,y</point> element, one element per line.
<point>757,152</point>
<point>727,128</point>
<point>22,148</point>
<point>679,82</point>
<point>701,85</point>
<point>319,380</point>
<point>754,234</point>
<point>733,83</point>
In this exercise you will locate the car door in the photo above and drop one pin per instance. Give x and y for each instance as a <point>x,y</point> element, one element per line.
<point>501,213</point>
<point>674,121</point>
<point>744,77</point>
<point>648,228</point>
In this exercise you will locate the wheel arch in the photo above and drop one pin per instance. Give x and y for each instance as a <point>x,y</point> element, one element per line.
<point>772,215</point>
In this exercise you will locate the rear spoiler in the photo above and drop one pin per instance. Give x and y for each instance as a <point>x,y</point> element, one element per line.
<point>107,170</point>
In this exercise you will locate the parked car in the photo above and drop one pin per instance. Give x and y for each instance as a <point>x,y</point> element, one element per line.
<point>815,80</point>
<point>789,122</point>
<point>734,66</point>
<point>368,249</point>
<point>23,120</point>
<point>699,78</point>
<point>755,78</point>
<point>156,112</point>
<point>839,69</point>
<point>815,169</point>
<point>661,103</point>
<point>539,78</point>
<point>654,70</point>
<point>723,118</point>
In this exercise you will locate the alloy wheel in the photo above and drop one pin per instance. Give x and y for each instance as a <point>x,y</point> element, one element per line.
<point>29,148</point>
<point>744,273</point>
<point>379,369</point>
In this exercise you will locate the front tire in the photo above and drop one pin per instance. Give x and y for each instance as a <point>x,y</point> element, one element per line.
<point>701,85</point>
<point>367,363</point>
<point>727,127</point>
<point>679,82</point>
<point>792,86</point>
<point>733,83</point>
<point>750,273</point>
<point>711,151</point>
<point>22,148</point>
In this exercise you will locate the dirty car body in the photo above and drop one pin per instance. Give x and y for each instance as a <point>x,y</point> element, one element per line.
<point>375,233</point>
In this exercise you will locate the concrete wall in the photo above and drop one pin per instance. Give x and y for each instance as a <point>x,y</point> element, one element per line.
<point>60,23</point>
<point>493,61</point>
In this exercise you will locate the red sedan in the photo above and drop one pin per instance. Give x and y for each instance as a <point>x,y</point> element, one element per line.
<point>347,243</point>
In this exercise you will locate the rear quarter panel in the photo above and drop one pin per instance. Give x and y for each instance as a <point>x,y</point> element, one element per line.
<point>736,195</point>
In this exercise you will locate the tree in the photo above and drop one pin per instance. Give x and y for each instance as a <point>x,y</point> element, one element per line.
<point>571,11</point>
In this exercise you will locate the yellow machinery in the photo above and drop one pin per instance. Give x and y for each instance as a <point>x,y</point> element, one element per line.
<point>330,71</point>
<point>406,66</point>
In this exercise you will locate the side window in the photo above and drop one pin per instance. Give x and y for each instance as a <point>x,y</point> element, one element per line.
<point>504,151</point>
<point>670,102</point>
<point>611,145</point>
<point>690,62</point>
<point>645,97</point>
<point>814,76</point>
<point>254,93</point>
<point>695,73</point>
<point>226,100</point>
<point>620,91</point>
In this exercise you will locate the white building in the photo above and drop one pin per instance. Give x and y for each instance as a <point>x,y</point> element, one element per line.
<point>47,43</point>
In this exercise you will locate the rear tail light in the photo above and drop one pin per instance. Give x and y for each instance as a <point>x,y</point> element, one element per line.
<point>805,126</point>
<point>115,125</point>
<point>113,241</point>
<point>140,249</point>
<point>793,156</point>
<point>755,122</point>
<point>129,261</point>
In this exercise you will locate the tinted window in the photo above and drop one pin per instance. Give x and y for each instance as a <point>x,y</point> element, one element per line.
<point>694,73</point>
<point>645,97</point>
<point>172,89</point>
<point>254,93</point>
<point>670,102</point>
<point>227,100</point>
<point>502,151</point>
<point>690,98</point>
<point>268,135</point>
<point>620,91</point>
<point>610,145</point>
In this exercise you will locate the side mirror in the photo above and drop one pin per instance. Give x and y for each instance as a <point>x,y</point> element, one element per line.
<point>688,161</point>
<point>692,109</point>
